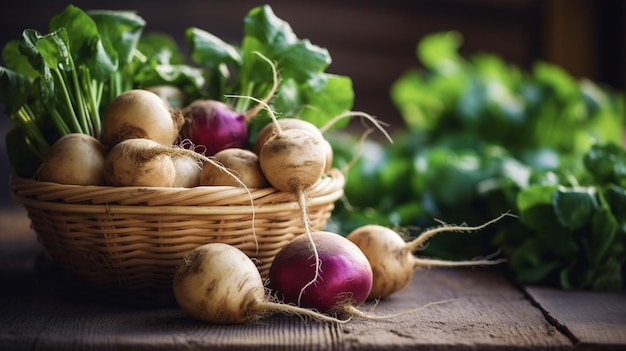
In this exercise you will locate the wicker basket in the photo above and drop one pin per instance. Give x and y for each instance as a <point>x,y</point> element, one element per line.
<point>132,238</point>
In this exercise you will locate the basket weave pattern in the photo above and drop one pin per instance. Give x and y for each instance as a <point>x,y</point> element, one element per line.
<point>134,237</point>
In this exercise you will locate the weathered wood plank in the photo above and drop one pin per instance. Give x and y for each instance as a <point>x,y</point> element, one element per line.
<point>487,314</point>
<point>40,311</point>
<point>597,320</point>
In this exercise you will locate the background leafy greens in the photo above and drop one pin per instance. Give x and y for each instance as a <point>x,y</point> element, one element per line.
<point>484,137</point>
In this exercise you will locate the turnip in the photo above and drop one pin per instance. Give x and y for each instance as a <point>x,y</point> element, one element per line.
<point>293,160</point>
<point>218,283</point>
<point>140,114</point>
<point>241,162</point>
<point>345,274</point>
<point>391,257</point>
<point>188,170</point>
<point>188,164</point>
<point>293,123</point>
<point>144,162</point>
<point>285,123</point>
<point>344,281</point>
<point>214,125</point>
<point>74,159</point>
<point>139,162</point>
<point>218,126</point>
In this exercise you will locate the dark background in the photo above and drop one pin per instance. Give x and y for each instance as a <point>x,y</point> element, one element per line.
<point>374,41</point>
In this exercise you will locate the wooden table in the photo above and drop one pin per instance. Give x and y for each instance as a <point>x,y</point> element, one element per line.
<point>40,312</point>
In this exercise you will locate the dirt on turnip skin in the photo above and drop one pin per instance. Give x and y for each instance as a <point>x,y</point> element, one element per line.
<point>218,283</point>
<point>140,114</point>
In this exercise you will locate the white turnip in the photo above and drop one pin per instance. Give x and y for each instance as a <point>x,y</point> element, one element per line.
<point>218,283</point>
<point>140,113</point>
<point>139,162</point>
<point>144,162</point>
<point>285,123</point>
<point>188,170</point>
<point>293,123</point>
<point>241,162</point>
<point>391,257</point>
<point>74,159</point>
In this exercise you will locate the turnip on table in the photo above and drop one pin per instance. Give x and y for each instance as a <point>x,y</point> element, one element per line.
<point>344,282</point>
<point>392,259</point>
<point>218,283</point>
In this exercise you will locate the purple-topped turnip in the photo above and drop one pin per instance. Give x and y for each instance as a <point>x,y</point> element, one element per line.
<point>345,275</point>
<point>214,125</point>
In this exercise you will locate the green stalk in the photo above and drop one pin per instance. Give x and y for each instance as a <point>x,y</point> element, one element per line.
<point>90,91</point>
<point>79,99</point>
<point>62,128</point>
<point>241,105</point>
<point>25,119</point>
<point>73,119</point>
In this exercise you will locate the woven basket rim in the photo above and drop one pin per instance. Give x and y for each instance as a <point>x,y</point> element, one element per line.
<point>160,200</point>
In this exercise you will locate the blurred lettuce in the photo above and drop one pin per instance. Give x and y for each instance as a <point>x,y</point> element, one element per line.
<point>484,137</point>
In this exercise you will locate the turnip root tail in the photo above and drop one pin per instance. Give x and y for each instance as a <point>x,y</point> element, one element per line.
<point>262,105</point>
<point>422,238</point>
<point>347,114</point>
<point>355,312</point>
<point>258,107</point>
<point>269,306</point>
<point>429,262</point>
<point>307,230</point>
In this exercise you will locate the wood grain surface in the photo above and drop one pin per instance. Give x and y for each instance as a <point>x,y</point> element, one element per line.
<point>480,309</point>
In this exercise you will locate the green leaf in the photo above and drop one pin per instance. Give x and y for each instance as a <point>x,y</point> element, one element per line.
<point>17,62</point>
<point>103,61</point>
<point>261,23</point>
<point>54,49</point>
<point>28,48</point>
<point>615,196</point>
<point>575,208</point>
<point>555,80</point>
<point>210,51</point>
<point>122,29</point>
<point>535,195</point>
<point>296,58</point>
<point>439,51</point>
<point>14,90</point>
<point>160,48</point>
<point>333,98</point>
<point>610,276</point>
<point>576,275</point>
<point>23,160</point>
<point>79,26</point>
<point>420,109</point>
<point>603,232</point>
<point>607,163</point>
<point>83,41</point>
